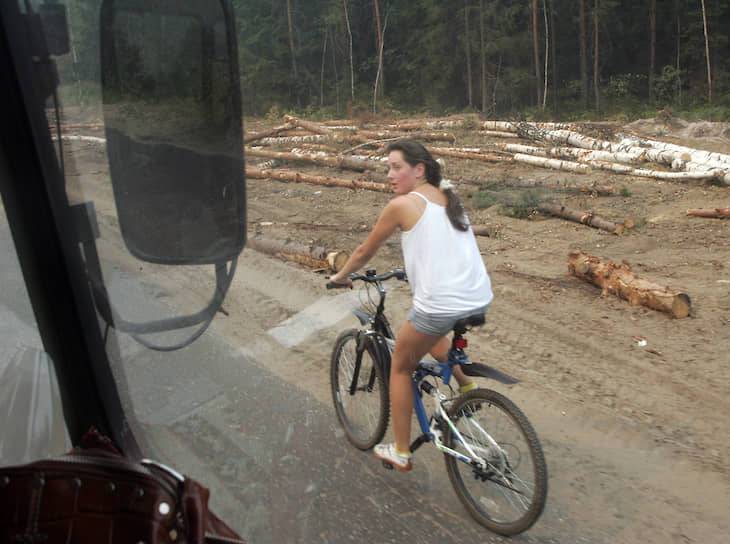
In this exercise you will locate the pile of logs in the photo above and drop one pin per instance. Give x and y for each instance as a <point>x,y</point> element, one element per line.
<point>553,145</point>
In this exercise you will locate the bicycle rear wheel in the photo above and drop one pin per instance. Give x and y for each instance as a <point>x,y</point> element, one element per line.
<point>508,495</point>
<point>359,391</point>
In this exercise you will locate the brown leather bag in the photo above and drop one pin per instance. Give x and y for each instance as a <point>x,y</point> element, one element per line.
<point>97,495</point>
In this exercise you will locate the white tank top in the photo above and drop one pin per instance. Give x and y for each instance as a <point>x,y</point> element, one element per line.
<point>445,270</point>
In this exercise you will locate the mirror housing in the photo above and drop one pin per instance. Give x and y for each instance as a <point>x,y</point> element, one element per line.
<point>173,121</point>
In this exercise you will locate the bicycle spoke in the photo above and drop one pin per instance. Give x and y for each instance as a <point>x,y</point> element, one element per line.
<point>359,392</point>
<point>508,493</point>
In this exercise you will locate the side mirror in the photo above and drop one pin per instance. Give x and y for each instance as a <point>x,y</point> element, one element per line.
<point>172,112</point>
<point>55,25</point>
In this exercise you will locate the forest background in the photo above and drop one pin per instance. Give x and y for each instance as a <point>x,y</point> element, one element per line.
<point>504,59</point>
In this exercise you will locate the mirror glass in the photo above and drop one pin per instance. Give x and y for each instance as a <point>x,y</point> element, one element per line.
<point>172,113</point>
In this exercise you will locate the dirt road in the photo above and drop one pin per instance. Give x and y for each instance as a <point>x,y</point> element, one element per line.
<point>635,435</point>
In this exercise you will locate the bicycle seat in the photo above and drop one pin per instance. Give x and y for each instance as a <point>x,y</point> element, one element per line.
<point>462,325</point>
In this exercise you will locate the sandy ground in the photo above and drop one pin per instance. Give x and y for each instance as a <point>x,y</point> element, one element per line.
<point>635,436</point>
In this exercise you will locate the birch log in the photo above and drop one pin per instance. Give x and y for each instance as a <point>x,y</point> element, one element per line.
<point>555,164</point>
<point>583,155</point>
<point>619,280</point>
<point>306,138</point>
<point>297,177</point>
<point>717,213</point>
<point>295,252</point>
<point>252,137</point>
<point>313,127</point>
<point>475,155</point>
<point>321,159</point>
<point>586,218</point>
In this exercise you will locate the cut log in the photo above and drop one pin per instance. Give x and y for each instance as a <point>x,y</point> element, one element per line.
<point>471,154</point>
<point>426,123</point>
<point>485,230</point>
<point>297,177</point>
<point>578,153</point>
<point>619,280</point>
<point>252,137</point>
<point>498,134</point>
<point>423,136</point>
<point>311,226</point>
<point>555,164</point>
<point>500,126</point>
<point>306,138</point>
<point>313,127</point>
<point>295,252</point>
<point>717,213</point>
<point>321,159</point>
<point>676,176</point>
<point>587,218</point>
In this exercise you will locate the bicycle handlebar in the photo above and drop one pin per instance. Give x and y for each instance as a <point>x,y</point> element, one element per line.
<point>398,273</point>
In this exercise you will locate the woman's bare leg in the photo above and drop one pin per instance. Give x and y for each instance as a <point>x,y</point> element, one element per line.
<point>440,352</point>
<point>410,347</point>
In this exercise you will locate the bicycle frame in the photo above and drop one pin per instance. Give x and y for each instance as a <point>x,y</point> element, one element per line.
<point>443,371</point>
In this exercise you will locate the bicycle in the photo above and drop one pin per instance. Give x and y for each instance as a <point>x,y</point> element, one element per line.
<point>493,456</point>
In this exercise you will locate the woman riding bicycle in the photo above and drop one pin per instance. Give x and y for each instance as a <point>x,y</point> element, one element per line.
<point>447,276</point>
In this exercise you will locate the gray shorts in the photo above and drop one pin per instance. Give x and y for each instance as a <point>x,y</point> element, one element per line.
<point>439,325</point>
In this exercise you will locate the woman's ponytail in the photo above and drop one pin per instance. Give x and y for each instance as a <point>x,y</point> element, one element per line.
<point>455,209</point>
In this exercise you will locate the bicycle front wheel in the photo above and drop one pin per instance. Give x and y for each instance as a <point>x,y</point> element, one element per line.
<point>505,487</point>
<point>359,391</point>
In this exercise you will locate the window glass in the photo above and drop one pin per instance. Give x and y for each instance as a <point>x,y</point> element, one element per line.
<point>31,416</point>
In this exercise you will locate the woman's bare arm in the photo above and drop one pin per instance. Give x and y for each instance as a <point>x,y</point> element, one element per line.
<point>390,219</point>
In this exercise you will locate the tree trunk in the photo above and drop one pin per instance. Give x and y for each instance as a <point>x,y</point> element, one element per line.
<point>321,72</point>
<point>554,50</point>
<point>707,53</point>
<point>536,53</point>
<point>483,56</point>
<point>619,280</point>
<point>547,56</point>
<point>292,49</point>
<point>596,79</point>
<point>583,43</point>
<point>349,38</point>
<point>467,46</point>
<point>379,82</point>
<point>717,213</point>
<point>295,252</point>
<point>586,218</point>
<point>652,46</point>
<point>678,65</point>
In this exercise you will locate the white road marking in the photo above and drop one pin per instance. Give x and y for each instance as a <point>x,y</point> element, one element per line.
<point>326,312</point>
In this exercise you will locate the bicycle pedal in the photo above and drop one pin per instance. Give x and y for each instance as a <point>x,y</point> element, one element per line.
<point>388,465</point>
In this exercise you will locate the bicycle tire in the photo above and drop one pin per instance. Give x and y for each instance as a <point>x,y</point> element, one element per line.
<point>364,414</point>
<point>508,497</point>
